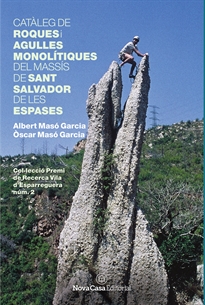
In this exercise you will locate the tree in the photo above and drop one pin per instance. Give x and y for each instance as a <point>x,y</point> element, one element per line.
<point>175,214</point>
<point>172,206</point>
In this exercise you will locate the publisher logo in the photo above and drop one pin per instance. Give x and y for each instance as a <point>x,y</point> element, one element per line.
<point>101,279</point>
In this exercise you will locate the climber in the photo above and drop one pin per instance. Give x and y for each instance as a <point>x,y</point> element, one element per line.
<point>126,54</point>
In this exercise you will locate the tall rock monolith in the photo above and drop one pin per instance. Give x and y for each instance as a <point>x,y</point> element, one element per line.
<point>106,253</point>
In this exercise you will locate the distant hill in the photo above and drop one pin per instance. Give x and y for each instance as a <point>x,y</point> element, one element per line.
<point>36,195</point>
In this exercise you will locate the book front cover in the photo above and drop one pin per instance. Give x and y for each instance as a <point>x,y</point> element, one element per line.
<point>76,117</point>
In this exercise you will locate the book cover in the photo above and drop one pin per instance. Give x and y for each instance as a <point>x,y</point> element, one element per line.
<point>79,108</point>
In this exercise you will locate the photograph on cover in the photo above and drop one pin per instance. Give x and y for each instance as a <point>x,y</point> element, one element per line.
<point>101,152</point>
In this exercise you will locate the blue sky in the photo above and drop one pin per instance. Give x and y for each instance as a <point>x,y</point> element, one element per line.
<point>170,31</point>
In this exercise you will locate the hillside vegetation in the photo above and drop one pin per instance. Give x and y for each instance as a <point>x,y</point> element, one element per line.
<point>170,189</point>
<point>171,196</point>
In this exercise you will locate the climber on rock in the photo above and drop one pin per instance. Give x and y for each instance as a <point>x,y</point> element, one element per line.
<point>125,54</point>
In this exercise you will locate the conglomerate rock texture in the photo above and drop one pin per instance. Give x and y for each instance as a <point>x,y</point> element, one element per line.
<point>106,253</point>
